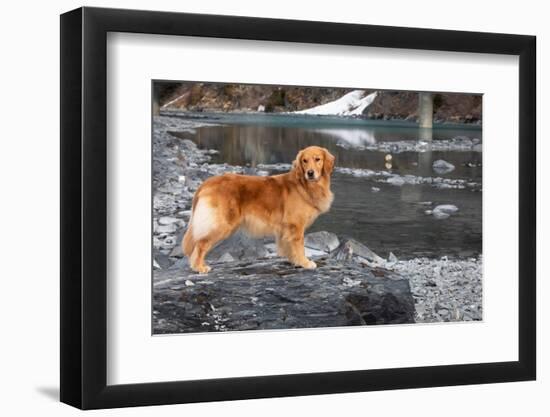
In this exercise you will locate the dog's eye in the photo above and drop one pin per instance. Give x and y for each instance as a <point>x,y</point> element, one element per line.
<point>305,161</point>
<point>317,159</point>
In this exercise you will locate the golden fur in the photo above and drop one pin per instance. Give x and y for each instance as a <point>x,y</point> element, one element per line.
<point>283,206</point>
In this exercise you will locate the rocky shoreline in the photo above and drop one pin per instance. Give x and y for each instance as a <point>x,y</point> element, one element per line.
<point>458,143</point>
<point>442,289</point>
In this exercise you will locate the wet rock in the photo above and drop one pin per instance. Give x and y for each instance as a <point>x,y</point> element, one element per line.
<point>443,312</point>
<point>177,251</point>
<point>169,228</point>
<point>156,242</point>
<point>226,257</point>
<point>186,214</point>
<point>313,253</point>
<point>248,170</point>
<point>440,215</point>
<point>272,294</point>
<point>192,184</point>
<point>351,248</point>
<point>167,220</point>
<point>271,248</point>
<point>444,211</point>
<point>180,264</point>
<point>240,247</point>
<point>321,241</point>
<point>168,242</point>
<point>396,180</point>
<point>442,167</point>
<point>162,260</point>
<point>237,247</point>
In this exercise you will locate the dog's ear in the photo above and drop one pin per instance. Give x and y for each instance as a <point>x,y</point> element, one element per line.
<point>297,166</point>
<point>328,164</point>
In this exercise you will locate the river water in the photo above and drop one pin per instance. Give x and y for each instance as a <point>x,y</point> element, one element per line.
<point>391,219</point>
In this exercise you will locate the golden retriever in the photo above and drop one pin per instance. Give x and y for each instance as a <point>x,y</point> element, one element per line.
<point>283,206</point>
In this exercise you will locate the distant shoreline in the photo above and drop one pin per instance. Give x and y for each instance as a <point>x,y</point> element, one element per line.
<point>227,117</point>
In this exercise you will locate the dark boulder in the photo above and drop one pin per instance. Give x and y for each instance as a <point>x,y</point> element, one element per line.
<point>272,294</point>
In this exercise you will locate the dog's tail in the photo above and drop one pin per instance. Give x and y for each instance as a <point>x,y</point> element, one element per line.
<point>188,241</point>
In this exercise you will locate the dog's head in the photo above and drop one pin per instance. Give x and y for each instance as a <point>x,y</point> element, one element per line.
<point>312,163</point>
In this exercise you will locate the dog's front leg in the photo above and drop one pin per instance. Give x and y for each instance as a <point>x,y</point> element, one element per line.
<point>291,244</point>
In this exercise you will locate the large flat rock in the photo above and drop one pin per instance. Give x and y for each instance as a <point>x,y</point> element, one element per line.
<point>272,294</point>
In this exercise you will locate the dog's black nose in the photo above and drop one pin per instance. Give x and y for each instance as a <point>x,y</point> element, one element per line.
<point>310,173</point>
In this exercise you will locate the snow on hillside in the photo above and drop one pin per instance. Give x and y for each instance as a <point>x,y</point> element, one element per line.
<point>351,104</point>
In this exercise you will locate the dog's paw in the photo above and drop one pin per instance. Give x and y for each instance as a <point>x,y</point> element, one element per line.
<point>203,269</point>
<point>310,265</point>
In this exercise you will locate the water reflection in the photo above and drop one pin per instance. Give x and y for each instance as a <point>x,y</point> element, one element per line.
<point>425,158</point>
<point>354,138</point>
<point>258,144</point>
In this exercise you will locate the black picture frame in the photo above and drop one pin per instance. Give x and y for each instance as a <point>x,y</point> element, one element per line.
<point>84,207</point>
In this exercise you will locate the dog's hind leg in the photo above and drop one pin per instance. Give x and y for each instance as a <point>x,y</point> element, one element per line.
<point>203,246</point>
<point>209,225</point>
<point>197,241</point>
<point>199,253</point>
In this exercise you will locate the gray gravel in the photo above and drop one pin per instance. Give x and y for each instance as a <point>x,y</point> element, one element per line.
<point>444,289</point>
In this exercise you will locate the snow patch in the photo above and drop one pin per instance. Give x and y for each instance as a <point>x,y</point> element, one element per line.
<point>351,104</point>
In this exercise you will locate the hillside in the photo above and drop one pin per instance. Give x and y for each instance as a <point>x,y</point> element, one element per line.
<point>394,105</point>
